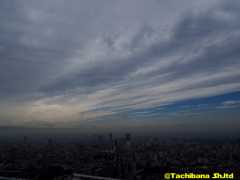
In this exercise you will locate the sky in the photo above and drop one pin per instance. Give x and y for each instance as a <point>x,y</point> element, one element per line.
<point>91,65</point>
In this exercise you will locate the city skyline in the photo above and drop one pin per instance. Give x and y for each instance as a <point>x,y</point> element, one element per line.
<point>107,66</point>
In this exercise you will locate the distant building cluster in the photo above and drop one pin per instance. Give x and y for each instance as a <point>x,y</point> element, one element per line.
<point>133,158</point>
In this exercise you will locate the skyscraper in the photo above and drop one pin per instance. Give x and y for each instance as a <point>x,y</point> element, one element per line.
<point>128,140</point>
<point>110,138</point>
<point>128,137</point>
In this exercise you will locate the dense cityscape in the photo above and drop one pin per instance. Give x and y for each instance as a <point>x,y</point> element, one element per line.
<point>123,157</point>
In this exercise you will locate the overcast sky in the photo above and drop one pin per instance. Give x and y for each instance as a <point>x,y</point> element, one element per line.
<point>73,63</point>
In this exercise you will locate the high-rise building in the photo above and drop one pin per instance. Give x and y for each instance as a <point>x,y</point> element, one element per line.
<point>128,137</point>
<point>128,140</point>
<point>110,138</point>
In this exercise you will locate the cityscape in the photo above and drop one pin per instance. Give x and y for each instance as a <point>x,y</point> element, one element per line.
<point>133,157</point>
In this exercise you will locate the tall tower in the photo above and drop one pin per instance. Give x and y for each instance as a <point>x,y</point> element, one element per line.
<point>110,138</point>
<point>128,140</point>
<point>128,137</point>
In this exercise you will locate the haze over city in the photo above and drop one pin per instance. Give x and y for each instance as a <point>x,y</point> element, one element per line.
<point>93,66</point>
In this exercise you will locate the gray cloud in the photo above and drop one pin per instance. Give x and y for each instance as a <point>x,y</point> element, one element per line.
<point>195,39</point>
<point>38,123</point>
<point>92,55</point>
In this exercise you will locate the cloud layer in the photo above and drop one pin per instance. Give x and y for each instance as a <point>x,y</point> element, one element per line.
<point>60,58</point>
